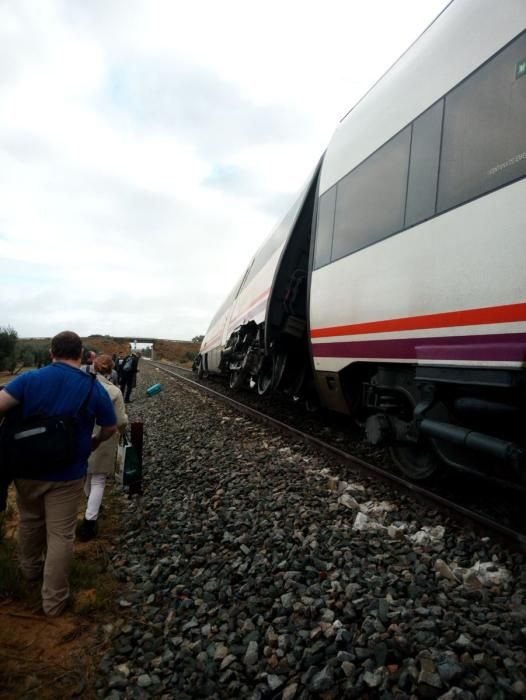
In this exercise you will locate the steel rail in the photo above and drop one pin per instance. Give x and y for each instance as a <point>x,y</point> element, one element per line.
<point>476,522</point>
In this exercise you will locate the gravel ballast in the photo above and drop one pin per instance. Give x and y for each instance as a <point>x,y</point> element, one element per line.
<point>250,568</point>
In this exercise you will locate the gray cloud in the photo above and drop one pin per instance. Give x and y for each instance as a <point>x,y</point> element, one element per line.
<point>207,111</point>
<point>138,174</point>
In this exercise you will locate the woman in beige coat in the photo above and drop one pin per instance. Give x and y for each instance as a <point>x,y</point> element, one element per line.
<point>102,460</point>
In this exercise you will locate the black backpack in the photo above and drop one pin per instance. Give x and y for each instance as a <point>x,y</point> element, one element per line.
<point>128,364</point>
<point>32,446</point>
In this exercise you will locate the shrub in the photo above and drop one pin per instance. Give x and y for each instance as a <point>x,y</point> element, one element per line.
<point>8,338</point>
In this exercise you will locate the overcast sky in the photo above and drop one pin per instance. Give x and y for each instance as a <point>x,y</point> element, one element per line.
<point>148,147</point>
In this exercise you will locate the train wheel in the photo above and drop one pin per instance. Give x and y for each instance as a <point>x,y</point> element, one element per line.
<point>264,382</point>
<point>416,462</point>
<point>279,360</point>
<point>236,379</point>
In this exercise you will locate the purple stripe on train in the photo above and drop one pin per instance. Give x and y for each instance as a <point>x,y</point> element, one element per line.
<point>509,347</point>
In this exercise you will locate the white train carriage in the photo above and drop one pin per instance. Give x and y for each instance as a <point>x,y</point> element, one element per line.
<point>418,290</point>
<point>396,284</point>
<point>263,320</point>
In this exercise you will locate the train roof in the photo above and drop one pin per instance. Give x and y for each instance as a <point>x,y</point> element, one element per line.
<point>463,36</point>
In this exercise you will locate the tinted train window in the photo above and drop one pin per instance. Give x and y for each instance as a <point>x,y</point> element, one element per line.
<point>322,251</point>
<point>423,166</point>
<point>484,143</point>
<point>370,200</point>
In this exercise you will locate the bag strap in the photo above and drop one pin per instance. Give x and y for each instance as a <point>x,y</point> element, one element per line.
<point>84,405</point>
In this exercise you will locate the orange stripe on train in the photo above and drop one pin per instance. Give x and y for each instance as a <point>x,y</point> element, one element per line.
<point>470,317</point>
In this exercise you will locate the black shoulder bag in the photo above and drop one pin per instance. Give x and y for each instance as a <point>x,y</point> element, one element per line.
<point>32,446</point>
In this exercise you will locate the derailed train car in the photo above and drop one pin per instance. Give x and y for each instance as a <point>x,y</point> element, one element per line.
<point>395,286</point>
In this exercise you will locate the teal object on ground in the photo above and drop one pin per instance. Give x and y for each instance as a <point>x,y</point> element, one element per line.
<point>155,389</point>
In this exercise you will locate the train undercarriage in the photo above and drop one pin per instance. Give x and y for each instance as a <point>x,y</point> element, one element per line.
<point>431,418</point>
<point>471,420</point>
<point>284,367</point>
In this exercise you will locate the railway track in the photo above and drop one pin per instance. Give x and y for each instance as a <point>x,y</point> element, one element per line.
<point>480,523</point>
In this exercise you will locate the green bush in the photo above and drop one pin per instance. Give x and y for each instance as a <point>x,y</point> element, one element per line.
<point>8,338</point>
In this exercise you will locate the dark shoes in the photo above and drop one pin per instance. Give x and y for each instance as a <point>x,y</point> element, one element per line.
<point>87,530</point>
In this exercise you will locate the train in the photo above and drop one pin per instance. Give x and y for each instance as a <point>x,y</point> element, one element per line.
<point>394,289</point>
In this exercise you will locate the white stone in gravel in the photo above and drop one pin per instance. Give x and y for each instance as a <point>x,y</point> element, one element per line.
<point>354,488</point>
<point>348,501</point>
<point>364,524</point>
<point>444,570</point>
<point>488,574</point>
<point>429,536</point>
<point>395,533</point>
<point>377,509</point>
<point>124,669</point>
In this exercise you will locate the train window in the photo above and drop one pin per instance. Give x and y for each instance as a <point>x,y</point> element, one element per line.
<point>370,201</point>
<point>423,165</point>
<point>484,141</point>
<point>324,228</point>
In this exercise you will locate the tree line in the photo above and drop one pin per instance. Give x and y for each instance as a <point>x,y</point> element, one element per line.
<point>15,354</point>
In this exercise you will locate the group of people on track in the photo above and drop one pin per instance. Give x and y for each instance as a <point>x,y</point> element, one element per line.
<point>79,395</point>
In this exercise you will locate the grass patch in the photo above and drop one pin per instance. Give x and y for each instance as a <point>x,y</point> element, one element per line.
<point>93,586</point>
<point>12,585</point>
<point>92,582</point>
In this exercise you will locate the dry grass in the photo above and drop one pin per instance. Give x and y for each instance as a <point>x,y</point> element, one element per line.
<point>175,351</point>
<point>44,658</point>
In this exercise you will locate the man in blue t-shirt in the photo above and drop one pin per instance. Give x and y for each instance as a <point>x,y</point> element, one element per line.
<point>48,505</point>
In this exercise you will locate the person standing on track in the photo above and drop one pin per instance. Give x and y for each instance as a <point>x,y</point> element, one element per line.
<point>119,361</point>
<point>48,505</point>
<point>129,375</point>
<point>102,461</point>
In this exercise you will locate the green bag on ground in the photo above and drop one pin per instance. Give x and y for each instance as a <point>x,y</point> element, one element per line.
<point>128,467</point>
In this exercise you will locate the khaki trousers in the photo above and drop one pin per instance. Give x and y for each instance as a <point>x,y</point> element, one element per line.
<point>46,534</point>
